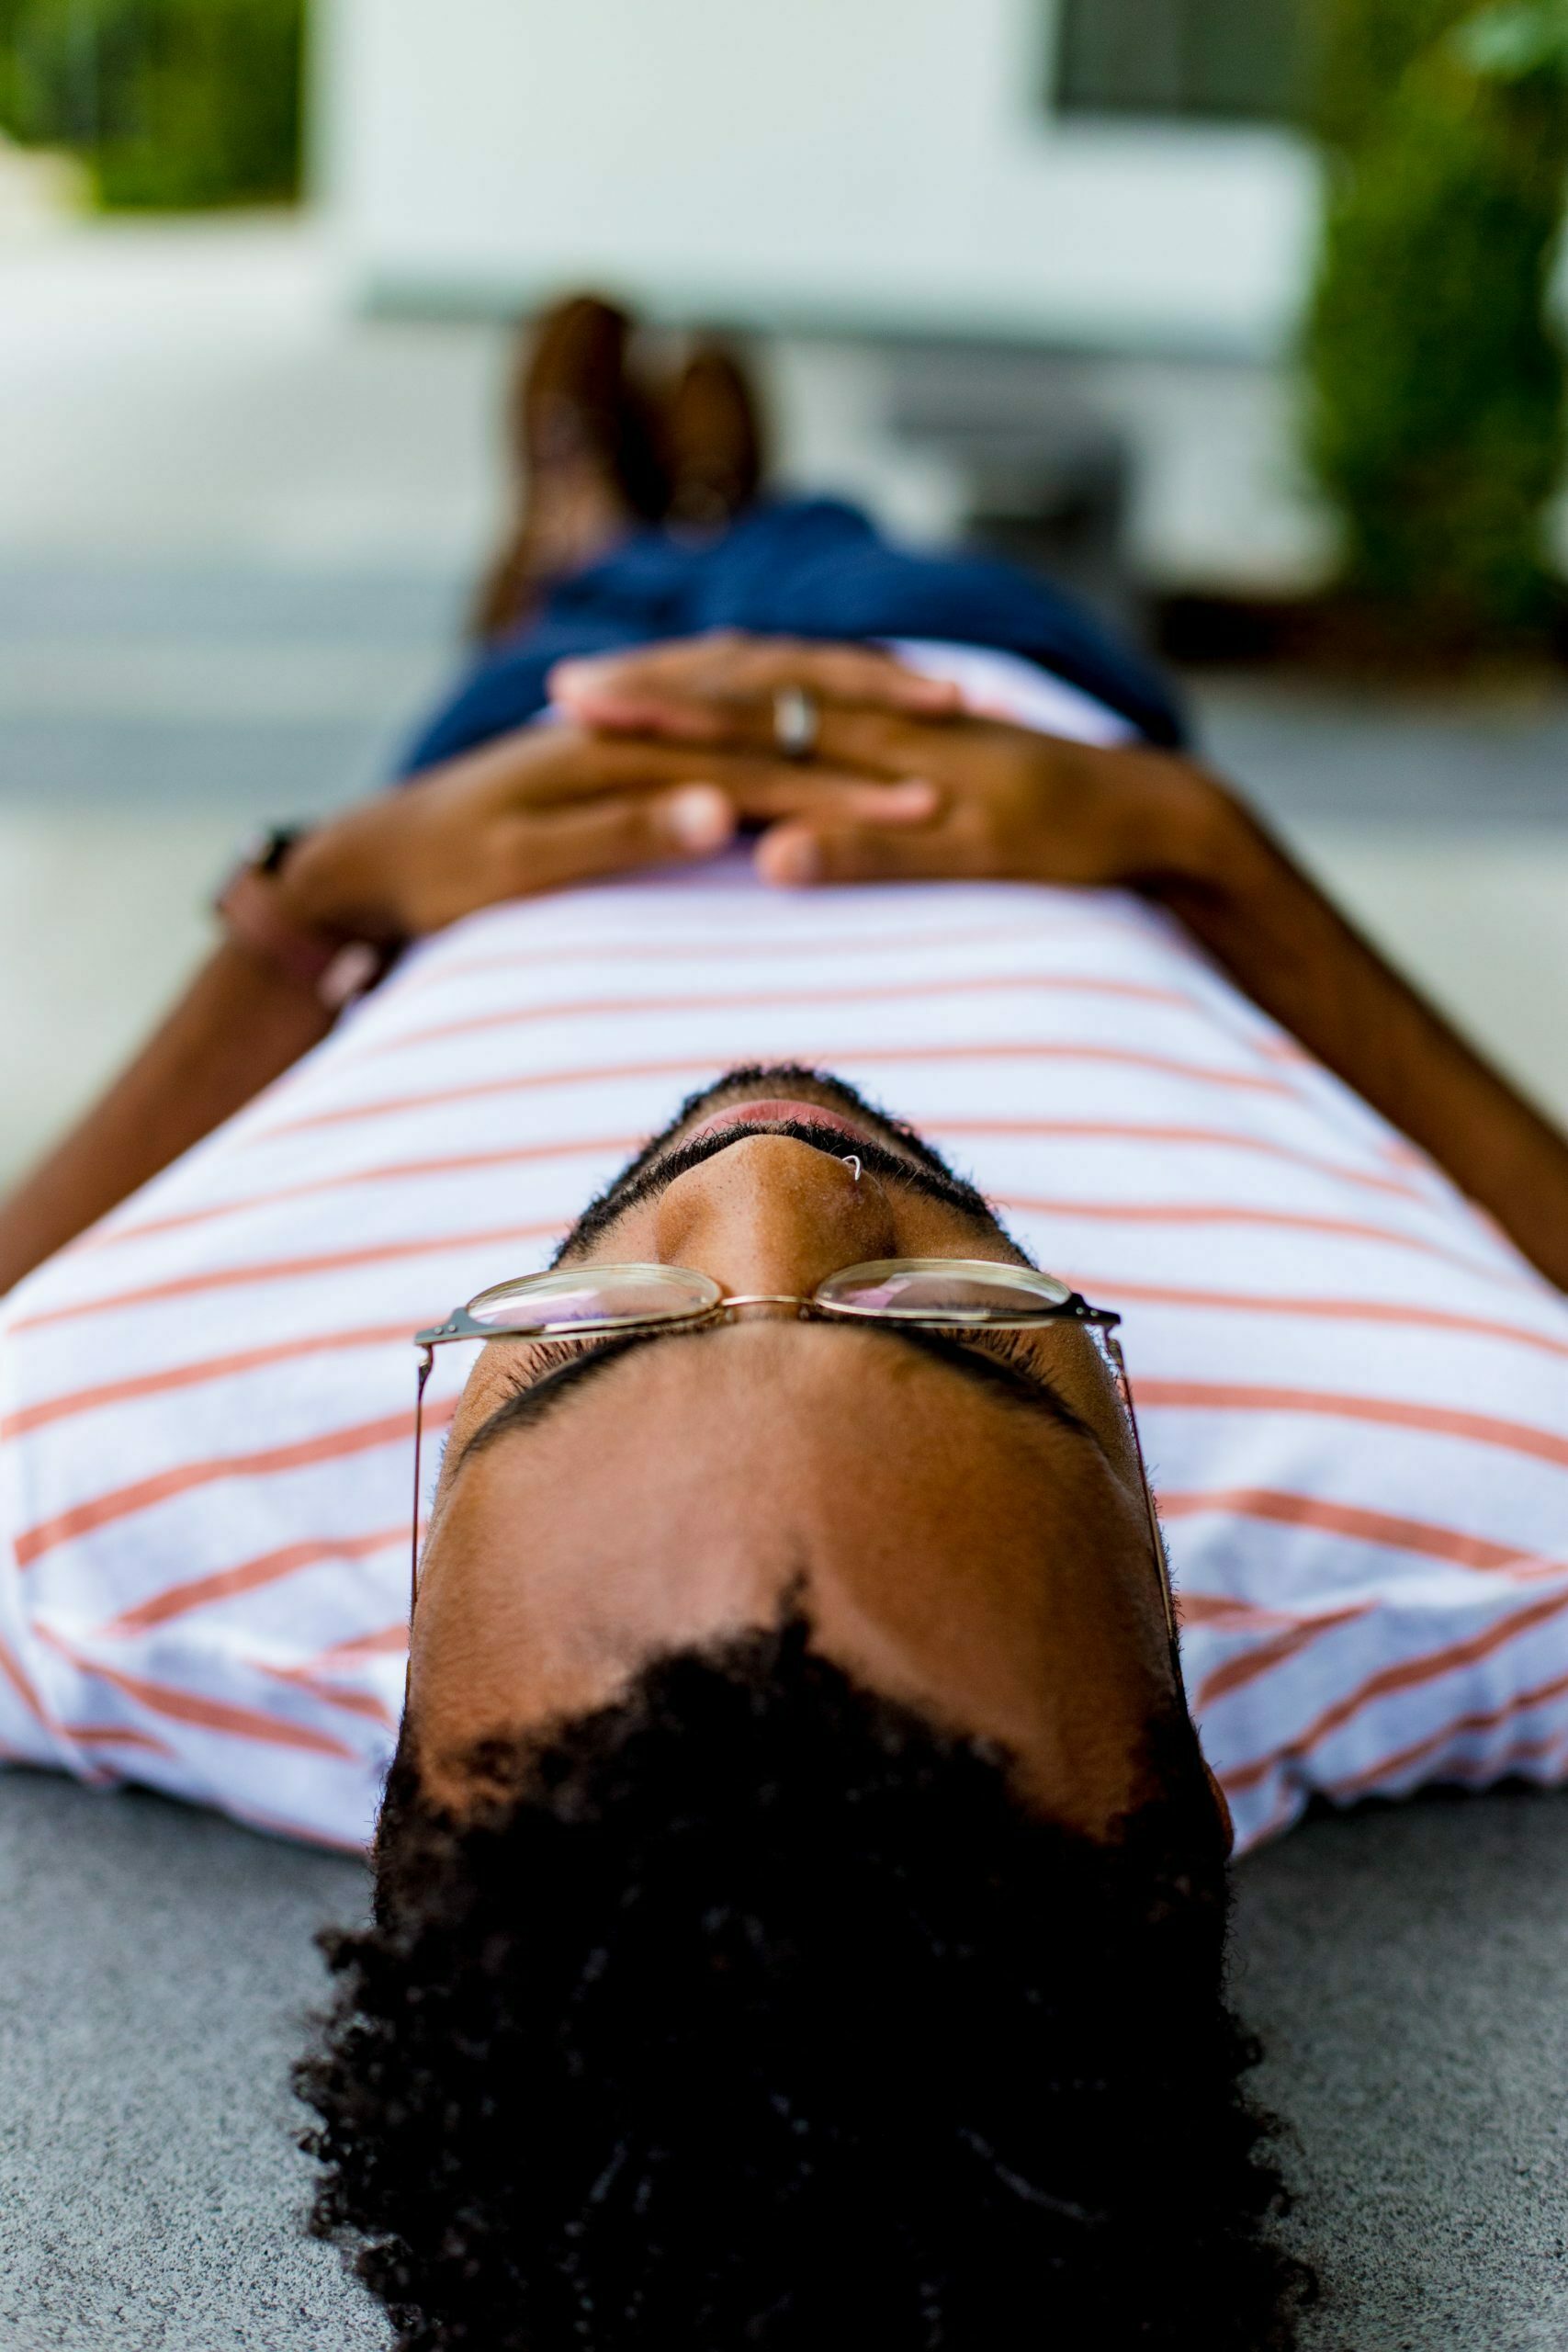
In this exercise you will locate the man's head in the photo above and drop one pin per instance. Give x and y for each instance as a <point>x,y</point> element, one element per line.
<point>800,1896</point>
<point>963,1518</point>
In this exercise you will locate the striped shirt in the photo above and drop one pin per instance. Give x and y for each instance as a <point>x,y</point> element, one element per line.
<point>1354,1393</point>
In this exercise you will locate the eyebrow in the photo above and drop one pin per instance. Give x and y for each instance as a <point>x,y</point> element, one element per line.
<point>529,1406</point>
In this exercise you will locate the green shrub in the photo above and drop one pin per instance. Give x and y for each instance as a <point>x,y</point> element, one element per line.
<point>1436,381</point>
<point>171,103</point>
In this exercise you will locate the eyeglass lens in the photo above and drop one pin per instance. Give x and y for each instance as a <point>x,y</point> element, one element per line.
<point>593,1294</point>
<point>966,1289</point>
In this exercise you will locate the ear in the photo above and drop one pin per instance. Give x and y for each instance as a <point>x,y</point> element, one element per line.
<point>1222,1808</point>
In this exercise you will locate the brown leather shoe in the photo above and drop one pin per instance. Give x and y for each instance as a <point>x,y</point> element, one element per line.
<point>712,440</point>
<point>584,468</point>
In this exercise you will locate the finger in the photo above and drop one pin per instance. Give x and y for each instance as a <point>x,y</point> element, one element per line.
<point>655,689</point>
<point>762,789</point>
<point>848,674</point>
<point>709,694</point>
<point>633,708</point>
<point>612,836</point>
<point>667,662</point>
<point>698,713</point>
<point>888,743</point>
<point>800,856</point>
<point>759,785</point>
<point>864,673</point>
<point>822,797</point>
<point>601,766</point>
<point>727,663</point>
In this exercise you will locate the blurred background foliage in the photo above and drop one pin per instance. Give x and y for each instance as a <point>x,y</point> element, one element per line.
<point>1435,374</point>
<point>170,104</point>
<point>1433,415</point>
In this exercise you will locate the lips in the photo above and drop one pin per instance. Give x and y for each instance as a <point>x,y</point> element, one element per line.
<point>776,1110</point>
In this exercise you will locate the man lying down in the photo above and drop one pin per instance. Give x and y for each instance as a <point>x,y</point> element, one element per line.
<point>800,1886</point>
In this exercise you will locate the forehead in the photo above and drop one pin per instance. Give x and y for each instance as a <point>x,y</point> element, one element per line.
<point>744,1452</point>
<point>945,1543</point>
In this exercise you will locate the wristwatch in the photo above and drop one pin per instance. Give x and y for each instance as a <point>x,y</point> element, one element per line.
<point>331,966</point>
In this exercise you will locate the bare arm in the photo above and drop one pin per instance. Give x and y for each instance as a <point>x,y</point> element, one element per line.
<point>237,1027</point>
<point>1270,927</point>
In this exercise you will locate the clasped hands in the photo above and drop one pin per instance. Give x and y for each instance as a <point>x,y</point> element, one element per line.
<point>660,755</point>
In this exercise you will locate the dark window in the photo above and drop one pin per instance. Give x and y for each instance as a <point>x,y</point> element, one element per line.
<point>1236,61</point>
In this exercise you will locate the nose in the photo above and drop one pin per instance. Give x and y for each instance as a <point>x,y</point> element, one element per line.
<point>769,1214</point>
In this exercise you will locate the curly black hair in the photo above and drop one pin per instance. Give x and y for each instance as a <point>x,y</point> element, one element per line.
<point>755,2011</point>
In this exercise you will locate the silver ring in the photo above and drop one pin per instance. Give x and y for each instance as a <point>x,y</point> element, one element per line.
<point>797,721</point>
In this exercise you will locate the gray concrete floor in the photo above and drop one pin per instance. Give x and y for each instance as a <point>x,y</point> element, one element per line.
<point>1405,1967</point>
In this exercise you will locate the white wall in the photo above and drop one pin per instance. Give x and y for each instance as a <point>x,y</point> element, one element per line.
<point>817,164</point>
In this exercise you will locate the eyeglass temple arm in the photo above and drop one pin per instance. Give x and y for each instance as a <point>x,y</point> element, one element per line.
<point>426,1358</point>
<point>1113,1349</point>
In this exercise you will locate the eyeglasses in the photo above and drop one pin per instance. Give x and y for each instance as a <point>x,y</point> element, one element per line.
<point>932,1293</point>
